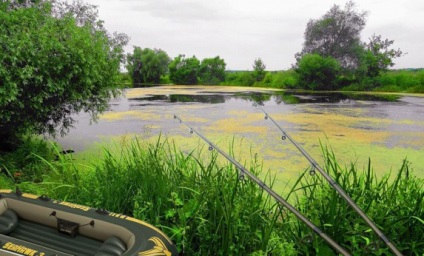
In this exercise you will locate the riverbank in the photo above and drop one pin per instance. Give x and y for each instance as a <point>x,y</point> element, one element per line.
<point>400,81</point>
<point>201,203</point>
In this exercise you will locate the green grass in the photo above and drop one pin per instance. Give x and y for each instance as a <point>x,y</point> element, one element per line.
<point>394,203</point>
<point>204,206</point>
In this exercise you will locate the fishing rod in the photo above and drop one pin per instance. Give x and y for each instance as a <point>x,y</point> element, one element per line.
<point>261,184</point>
<point>333,183</point>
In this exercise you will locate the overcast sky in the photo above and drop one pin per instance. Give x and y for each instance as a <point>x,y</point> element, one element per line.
<point>239,31</point>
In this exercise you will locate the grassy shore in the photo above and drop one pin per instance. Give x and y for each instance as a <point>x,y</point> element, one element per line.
<point>401,81</point>
<point>204,206</point>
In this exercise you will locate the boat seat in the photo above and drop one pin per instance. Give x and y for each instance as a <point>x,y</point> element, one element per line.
<point>8,222</point>
<point>113,246</point>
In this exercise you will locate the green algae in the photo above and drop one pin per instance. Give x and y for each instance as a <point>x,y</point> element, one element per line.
<point>352,135</point>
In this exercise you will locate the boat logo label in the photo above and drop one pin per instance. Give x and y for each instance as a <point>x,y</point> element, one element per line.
<point>75,206</point>
<point>159,249</point>
<point>23,250</point>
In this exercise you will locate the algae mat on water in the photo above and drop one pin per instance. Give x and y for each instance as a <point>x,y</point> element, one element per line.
<point>356,130</point>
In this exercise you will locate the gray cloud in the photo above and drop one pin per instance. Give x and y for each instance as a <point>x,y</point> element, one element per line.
<point>184,11</point>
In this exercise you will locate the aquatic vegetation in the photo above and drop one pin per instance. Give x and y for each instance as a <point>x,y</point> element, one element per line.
<point>188,90</point>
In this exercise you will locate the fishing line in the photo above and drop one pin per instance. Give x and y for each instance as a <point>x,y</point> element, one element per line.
<point>271,192</point>
<point>333,183</point>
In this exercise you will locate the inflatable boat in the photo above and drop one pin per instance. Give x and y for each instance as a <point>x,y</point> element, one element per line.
<point>38,225</point>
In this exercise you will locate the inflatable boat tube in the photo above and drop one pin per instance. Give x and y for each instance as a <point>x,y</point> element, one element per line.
<point>38,225</point>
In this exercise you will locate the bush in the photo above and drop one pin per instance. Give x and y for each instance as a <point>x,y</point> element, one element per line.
<point>280,79</point>
<point>317,72</point>
<point>240,78</point>
<point>51,68</point>
<point>28,163</point>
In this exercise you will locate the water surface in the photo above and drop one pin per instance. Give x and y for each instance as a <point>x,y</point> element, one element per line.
<point>385,127</point>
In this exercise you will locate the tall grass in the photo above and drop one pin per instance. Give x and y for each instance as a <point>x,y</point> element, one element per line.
<point>203,206</point>
<point>207,209</point>
<point>395,204</point>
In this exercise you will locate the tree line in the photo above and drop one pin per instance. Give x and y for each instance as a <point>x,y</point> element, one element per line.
<point>332,56</point>
<point>154,66</point>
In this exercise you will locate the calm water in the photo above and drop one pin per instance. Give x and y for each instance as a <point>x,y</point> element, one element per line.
<point>386,128</point>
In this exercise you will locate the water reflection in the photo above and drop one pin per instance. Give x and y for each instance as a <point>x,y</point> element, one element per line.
<point>390,125</point>
<point>316,97</point>
<point>262,97</point>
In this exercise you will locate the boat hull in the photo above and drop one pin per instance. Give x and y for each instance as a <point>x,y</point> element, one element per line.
<point>52,227</point>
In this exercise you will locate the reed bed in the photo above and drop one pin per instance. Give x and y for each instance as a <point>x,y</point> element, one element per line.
<point>206,208</point>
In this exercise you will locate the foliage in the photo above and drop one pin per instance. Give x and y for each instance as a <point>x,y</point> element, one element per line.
<point>401,81</point>
<point>317,72</point>
<point>410,81</point>
<point>395,204</point>
<point>275,79</point>
<point>376,59</point>
<point>206,208</point>
<point>212,71</point>
<point>184,70</point>
<point>147,65</point>
<point>51,66</point>
<point>280,79</point>
<point>240,78</point>
<point>203,206</point>
<point>336,34</point>
<point>258,70</point>
<point>125,80</point>
<point>27,162</point>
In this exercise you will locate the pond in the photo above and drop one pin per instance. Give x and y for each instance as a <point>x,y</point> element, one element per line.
<point>384,127</point>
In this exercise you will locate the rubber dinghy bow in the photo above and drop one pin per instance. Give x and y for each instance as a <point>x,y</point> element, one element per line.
<point>333,183</point>
<point>277,197</point>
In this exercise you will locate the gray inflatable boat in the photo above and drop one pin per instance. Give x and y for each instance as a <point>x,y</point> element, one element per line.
<point>38,225</point>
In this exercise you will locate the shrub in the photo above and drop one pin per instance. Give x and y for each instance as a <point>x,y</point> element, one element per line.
<point>240,78</point>
<point>317,72</point>
<point>52,67</point>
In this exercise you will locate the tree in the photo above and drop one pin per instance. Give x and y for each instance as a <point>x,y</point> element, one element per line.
<point>317,72</point>
<point>147,65</point>
<point>52,66</point>
<point>258,70</point>
<point>212,71</point>
<point>336,34</point>
<point>184,70</point>
<point>378,56</point>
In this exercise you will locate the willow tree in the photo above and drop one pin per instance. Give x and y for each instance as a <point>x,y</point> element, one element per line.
<point>54,61</point>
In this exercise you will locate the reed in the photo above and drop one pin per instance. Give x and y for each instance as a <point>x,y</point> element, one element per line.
<point>394,203</point>
<point>206,208</point>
